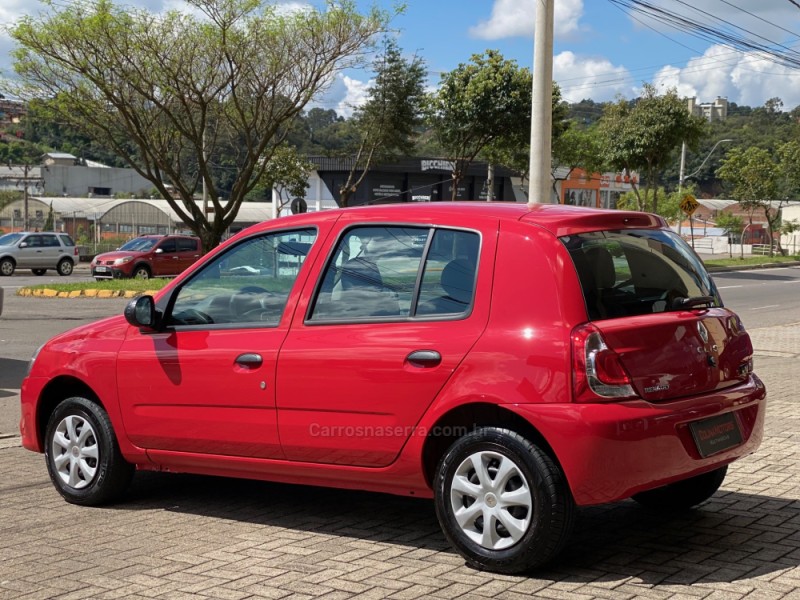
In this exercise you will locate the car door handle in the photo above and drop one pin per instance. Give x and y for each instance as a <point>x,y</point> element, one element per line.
<point>424,358</point>
<point>249,360</point>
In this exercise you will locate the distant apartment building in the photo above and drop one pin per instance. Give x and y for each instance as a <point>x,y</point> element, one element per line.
<point>710,111</point>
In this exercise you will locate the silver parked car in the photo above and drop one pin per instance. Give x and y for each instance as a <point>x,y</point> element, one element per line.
<point>37,251</point>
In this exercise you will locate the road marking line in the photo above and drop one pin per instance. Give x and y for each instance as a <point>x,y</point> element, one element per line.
<point>768,306</point>
<point>730,287</point>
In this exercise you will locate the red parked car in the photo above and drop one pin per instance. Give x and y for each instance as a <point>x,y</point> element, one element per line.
<point>511,363</point>
<point>148,256</point>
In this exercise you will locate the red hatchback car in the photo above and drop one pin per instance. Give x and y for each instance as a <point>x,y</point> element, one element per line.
<point>512,363</point>
<point>148,256</point>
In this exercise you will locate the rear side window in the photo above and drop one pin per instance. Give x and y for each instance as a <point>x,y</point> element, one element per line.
<point>186,245</point>
<point>390,273</point>
<point>66,240</point>
<point>637,272</point>
<point>50,241</point>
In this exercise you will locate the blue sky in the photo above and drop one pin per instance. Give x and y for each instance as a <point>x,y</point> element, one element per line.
<point>600,51</point>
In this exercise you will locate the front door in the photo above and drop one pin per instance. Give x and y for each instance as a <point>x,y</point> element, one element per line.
<point>396,310</point>
<point>206,383</point>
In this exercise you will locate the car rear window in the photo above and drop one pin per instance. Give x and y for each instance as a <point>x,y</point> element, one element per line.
<point>636,272</point>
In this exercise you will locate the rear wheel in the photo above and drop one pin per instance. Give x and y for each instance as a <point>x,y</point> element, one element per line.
<point>141,272</point>
<point>502,502</point>
<point>7,267</point>
<point>39,271</point>
<point>64,267</point>
<point>683,495</point>
<point>82,454</point>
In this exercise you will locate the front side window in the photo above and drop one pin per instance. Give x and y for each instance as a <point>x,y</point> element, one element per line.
<point>168,246</point>
<point>248,284</point>
<point>391,273</point>
<point>635,272</point>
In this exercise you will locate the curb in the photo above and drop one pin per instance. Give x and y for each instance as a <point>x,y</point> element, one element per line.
<point>716,269</point>
<point>90,293</point>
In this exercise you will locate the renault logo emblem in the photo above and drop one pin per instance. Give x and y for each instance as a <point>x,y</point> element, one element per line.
<point>701,329</point>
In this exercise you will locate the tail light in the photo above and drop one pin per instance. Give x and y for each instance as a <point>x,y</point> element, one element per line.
<point>76,251</point>
<point>597,371</point>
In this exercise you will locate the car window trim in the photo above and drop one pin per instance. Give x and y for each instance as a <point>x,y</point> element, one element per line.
<point>173,294</point>
<point>432,228</point>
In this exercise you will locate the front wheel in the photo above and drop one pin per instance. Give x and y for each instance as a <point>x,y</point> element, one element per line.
<point>141,272</point>
<point>683,495</point>
<point>502,502</point>
<point>82,454</point>
<point>64,267</point>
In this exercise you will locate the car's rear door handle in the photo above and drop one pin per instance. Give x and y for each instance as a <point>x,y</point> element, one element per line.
<point>249,360</point>
<point>424,358</point>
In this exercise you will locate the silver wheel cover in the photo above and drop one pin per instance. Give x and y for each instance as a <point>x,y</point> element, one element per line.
<point>74,452</point>
<point>491,500</point>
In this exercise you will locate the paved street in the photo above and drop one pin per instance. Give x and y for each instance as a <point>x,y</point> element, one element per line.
<point>181,536</point>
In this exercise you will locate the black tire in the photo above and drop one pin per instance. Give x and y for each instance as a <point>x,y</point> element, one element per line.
<point>7,267</point>
<point>91,481</point>
<point>141,272</point>
<point>683,495</point>
<point>39,272</point>
<point>548,516</point>
<point>65,267</point>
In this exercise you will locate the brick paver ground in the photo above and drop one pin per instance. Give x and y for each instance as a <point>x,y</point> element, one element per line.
<point>180,536</point>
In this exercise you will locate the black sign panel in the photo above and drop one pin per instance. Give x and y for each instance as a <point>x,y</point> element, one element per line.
<point>716,434</point>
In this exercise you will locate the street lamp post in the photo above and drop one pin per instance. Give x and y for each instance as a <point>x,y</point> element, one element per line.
<point>682,178</point>
<point>539,172</point>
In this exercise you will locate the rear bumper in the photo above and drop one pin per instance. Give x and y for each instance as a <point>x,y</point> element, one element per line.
<point>611,451</point>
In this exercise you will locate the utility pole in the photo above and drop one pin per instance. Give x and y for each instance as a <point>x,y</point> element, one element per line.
<point>25,198</point>
<point>542,109</point>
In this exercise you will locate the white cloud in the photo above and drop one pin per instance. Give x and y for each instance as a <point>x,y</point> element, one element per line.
<point>744,78</point>
<point>586,77</point>
<point>512,18</point>
<point>355,95</point>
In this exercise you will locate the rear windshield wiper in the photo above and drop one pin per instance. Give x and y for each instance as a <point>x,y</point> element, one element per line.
<point>679,303</point>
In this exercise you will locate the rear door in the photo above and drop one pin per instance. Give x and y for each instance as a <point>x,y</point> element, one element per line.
<point>393,313</point>
<point>188,251</point>
<point>657,307</point>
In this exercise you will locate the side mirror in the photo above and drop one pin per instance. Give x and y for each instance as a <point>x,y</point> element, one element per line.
<point>141,312</point>
<point>23,244</point>
<point>159,251</point>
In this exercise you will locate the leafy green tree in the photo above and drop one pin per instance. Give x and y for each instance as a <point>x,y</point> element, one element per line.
<point>643,136</point>
<point>577,148</point>
<point>732,225</point>
<point>49,223</point>
<point>286,173</point>
<point>669,207</point>
<point>753,177</point>
<point>479,105</point>
<point>388,122</point>
<point>170,92</point>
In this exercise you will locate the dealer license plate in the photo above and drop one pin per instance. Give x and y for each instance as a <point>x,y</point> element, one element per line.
<point>716,434</point>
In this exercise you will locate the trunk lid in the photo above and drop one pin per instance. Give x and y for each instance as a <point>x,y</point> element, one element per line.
<point>683,353</point>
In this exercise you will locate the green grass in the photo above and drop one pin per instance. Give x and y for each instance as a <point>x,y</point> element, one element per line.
<point>749,261</point>
<point>137,285</point>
